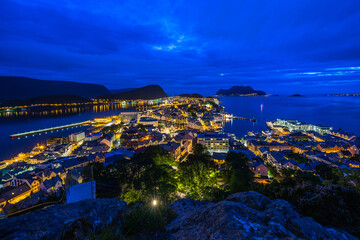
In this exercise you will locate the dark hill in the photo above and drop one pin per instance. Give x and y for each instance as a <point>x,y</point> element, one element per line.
<point>194,95</point>
<point>53,99</point>
<point>296,95</point>
<point>240,91</point>
<point>114,91</point>
<point>23,88</point>
<point>147,92</point>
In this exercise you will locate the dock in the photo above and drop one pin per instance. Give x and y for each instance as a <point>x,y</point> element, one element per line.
<point>248,119</point>
<point>24,134</point>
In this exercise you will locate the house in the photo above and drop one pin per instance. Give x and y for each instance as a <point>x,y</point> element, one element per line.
<point>109,139</point>
<point>96,157</point>
<point>308,167</point>
<point>114,159</point>
<point>47,174</point>
<point>173,148</point>
<point>61,173</point>
<point>72,163</point>
<point>51,186</point>
<point>289,164</point>
<point>14,195</point>
<point>259,169</point>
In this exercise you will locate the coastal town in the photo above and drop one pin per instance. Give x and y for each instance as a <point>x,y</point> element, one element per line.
<point>57,171</point>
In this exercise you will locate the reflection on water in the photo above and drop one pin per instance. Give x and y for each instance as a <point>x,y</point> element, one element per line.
<point>59,111</point>
<point>16,121</point>
<point>337,112</point>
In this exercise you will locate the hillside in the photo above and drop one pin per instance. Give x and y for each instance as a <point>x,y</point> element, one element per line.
<point>240,91</point>
<point>147,92</point>
<point>114,91</point>
<point>194,95</point>
<point>13,88</point>
<point>244,215</point>
<point>53,99</point>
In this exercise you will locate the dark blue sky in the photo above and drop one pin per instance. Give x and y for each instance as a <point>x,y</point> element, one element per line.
<point>289,46</point>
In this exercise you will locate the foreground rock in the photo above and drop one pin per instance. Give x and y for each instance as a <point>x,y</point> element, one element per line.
<point>247,215</point>
<point>56,221</point>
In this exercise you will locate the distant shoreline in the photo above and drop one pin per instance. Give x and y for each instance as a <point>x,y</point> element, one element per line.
<point>343,95</point>
<point>242,95</point>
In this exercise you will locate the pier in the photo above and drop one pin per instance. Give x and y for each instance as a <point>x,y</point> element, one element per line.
<point>248,119</point>
<point>24,134</point>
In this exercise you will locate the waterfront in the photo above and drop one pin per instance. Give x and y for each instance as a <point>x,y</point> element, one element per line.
<point>11,147</point>
<point>338,112</point>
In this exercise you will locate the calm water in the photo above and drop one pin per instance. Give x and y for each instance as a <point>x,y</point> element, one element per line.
<point>338,112</point>
<point>11,147</point>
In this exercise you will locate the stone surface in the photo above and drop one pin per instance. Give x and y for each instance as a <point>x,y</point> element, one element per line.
<point>53,222</point>
<point>247,215</point>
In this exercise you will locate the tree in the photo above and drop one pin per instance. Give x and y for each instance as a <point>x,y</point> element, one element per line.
<point>355,158</point>
<point>152,175</point>
<point>237,173</point>
<point>326,172</point>
<point>198,173</point>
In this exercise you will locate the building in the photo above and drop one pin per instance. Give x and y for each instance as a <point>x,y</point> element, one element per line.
<point>148,121</point>
<point>215,142</point>
<point>77,137</point>
<point>259,169</point>
<point>15,194</point>
<point>127,117</point>
<point>294,125</point>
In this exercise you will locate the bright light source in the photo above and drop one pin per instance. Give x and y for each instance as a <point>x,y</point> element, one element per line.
<point>154,202</point>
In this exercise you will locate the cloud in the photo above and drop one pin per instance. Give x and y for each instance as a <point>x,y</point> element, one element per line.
<point>203,44</point>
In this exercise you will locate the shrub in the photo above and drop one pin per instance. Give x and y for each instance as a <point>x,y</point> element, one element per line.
<point>147,220</point>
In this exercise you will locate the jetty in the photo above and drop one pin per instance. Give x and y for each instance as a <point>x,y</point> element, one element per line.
<point>243,118</point>
<point>30,133</point>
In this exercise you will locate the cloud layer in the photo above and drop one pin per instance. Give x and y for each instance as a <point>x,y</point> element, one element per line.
<point>279,46</point>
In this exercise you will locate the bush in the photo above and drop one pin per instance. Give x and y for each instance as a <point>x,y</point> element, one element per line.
<point>147,220</point>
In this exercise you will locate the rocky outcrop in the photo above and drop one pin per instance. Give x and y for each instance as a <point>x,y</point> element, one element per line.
<point>247,215</point>
<point>56,221</point>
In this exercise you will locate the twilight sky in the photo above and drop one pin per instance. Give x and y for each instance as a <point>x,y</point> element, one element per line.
<point>279,46</point>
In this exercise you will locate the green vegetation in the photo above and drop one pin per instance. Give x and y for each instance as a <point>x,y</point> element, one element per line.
<point>334,205</point>
<point>198,173</point>
<point>237,173</point>
<point>152,175</point>
<point>113,128</point>
<point>355,158</point>
<point>328,195</point>
<point>146,221</point>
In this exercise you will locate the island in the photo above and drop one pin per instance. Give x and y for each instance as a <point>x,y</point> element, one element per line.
<point>194,95</point>
<point>296,95</point>
<point>237,91</point>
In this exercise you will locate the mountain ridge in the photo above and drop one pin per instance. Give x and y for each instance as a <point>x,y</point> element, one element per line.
<point>17,88</point>
<point>148,92</point>
<point>240,91</point>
